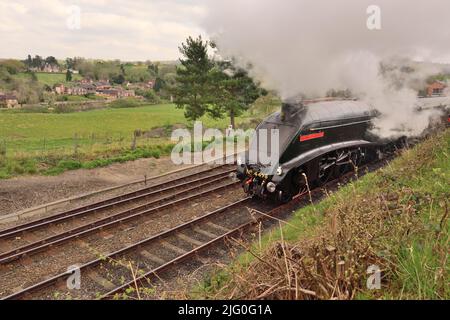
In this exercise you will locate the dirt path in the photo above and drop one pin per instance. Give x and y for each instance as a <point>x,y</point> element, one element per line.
<point>25,192</point>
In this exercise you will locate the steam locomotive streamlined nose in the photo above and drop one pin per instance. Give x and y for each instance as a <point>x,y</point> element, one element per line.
<point>255,181</point>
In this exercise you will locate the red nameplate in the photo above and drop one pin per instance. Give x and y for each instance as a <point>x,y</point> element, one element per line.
<point>312,136</point>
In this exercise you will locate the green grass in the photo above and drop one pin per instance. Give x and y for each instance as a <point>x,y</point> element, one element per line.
<point>45,139</point>
<point>49,79</point>
<point>411,244</point>
<point>24,132</point>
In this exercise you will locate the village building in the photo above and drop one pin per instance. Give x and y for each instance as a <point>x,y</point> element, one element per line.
<point>76,91</point>
<point>86,81</point>
<point>108,93</point>
<point>59,88</point>
<point>9,101</point>
<point>116,93</point>
<point>126,93</point>
<point>150,84</point>
<point>102,85</point>
<point>437,89</point>
<point>90,88</point>
<point>51,68</point>
<point>141,85</point>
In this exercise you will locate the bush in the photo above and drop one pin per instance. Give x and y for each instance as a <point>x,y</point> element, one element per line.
<point>33,109</point>
<point>62,98</point>
<point>149,95</point>
<point>125,103</point>
<point>63,108</point>
<point>69,164</point>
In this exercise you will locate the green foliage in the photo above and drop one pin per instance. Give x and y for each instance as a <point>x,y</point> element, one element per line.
<point>204,86</point>
<point>135,74</point>
<point>149,95</point>
<point>236,91</point>
<point>12,66</point>
<point>27,90</point>
<point>118,72</point>
<point>439,77</point>
<point>118,79</point>
<point>125,103</point>
<point>264,106</point>
<point>193,90</point>
<point>46,138</point>
<point>68,76</point>
<point>63,108</point>
<point>72,98</point>
<point>339,93</point>
<point>39,62</point>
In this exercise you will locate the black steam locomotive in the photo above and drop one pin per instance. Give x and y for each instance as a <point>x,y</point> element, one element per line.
<point>317,142</point>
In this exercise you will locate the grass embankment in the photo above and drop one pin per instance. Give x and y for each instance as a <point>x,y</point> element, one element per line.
<point>50,143</point>
<point>395,218</point>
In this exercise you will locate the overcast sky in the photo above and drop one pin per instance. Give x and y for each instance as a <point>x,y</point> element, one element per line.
<point>135,29</point>
<point>109,29</point>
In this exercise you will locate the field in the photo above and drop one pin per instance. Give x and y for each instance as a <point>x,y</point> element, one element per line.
<point>38,142</point>
<point>24,132</point>
<point>49,78</point>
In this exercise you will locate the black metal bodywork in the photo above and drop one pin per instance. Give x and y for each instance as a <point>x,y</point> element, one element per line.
<point>307,133</point>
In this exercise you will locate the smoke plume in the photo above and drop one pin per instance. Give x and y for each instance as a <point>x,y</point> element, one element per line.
<point>306,47</point>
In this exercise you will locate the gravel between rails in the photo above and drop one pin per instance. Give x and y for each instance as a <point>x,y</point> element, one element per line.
<point>100,279</point>
<point>105,195</point>
<point>43,232</point>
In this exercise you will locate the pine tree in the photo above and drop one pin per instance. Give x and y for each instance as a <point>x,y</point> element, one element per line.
<point>191,91</point>
<point>204,86</point>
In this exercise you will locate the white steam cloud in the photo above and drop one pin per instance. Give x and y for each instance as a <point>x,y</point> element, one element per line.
<point>310,46</point>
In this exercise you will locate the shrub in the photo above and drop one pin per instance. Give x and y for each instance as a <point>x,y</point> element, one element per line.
<point>125,103</point>
<point>69,164</point>
<point>63,108</point>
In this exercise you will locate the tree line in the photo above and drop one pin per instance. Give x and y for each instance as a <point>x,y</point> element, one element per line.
<point>39,63</point>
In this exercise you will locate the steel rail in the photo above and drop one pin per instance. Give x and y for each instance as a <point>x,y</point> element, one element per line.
<point>107,222</point>
<point>154,272</point>
<point>130,248</point>
<point>104,204</point>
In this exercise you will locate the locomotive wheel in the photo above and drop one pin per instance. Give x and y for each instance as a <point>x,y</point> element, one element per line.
<point>327,169</point>
<point>348,160</point>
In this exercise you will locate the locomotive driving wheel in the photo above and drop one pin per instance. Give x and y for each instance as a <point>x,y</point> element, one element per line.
<point>327,168</point>
<point>348,160</point>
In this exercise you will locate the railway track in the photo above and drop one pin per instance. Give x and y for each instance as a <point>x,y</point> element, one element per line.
<point>205,227</point>
<point>144,278</point>
<point>105,214</point>
<point>137,265</point>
